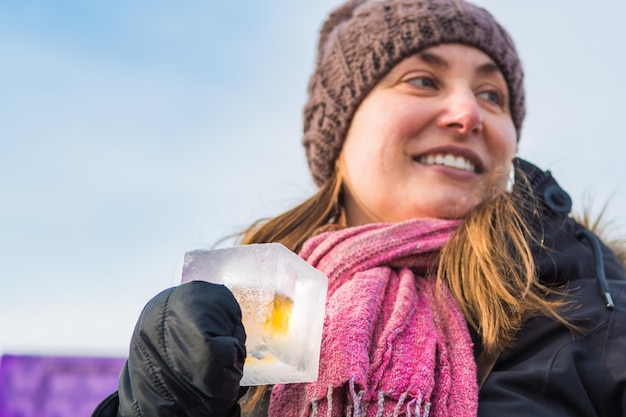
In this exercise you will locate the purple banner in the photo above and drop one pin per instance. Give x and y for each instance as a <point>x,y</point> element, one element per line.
<point>47,386</point>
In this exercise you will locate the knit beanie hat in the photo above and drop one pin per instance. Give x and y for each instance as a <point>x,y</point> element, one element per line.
<point>362,40</point>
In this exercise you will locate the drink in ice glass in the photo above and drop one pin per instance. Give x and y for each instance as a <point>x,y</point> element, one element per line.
<point>282,299</point>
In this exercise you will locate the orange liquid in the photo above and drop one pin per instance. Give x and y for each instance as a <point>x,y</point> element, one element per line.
<point>271,319</point>
<point>277,321</point>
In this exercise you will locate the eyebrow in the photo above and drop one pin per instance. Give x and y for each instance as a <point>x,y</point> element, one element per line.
<point>487,68</point>
<point>433,59</point>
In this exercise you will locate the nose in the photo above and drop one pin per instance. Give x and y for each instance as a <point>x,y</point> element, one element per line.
<point>462,114</point>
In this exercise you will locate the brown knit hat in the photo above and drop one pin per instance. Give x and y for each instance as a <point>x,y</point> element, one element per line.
<point>363,39</point>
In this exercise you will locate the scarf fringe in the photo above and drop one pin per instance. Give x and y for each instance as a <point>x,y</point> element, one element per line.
<point>356,407</point>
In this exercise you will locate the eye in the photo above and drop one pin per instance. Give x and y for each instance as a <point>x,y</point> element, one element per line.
<point>492,96</point>
<point>423,82</point>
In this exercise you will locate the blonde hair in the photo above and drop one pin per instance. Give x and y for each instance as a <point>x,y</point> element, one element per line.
<point>489,268</point>
<point>487,264</point>
<point>295,226</point>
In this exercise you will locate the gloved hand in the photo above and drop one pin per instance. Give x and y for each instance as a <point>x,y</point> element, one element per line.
<point>186,355</point>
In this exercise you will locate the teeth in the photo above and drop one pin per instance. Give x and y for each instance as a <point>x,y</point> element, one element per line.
<point>448,160</point>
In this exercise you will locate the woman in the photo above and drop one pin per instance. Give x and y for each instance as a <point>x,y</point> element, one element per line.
<point>451,291</point>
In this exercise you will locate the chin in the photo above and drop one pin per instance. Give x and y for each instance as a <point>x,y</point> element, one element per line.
<point>450,209</point>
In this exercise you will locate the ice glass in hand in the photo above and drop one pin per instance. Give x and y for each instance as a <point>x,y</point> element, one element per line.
<point>282,299</point>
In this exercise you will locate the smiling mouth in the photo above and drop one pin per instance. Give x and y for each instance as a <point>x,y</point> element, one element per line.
<point>448,160</point>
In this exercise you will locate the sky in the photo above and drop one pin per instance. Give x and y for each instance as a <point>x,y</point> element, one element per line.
<point>132,132</point>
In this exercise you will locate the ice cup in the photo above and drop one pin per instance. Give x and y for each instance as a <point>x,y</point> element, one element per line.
<point>282,299</point>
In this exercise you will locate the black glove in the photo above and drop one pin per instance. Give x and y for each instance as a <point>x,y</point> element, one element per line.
<point>186,355</point>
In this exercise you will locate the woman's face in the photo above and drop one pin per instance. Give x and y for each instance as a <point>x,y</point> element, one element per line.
<point>429,140</point>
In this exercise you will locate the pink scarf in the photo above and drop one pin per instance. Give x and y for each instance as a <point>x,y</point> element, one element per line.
<point>389,347</point>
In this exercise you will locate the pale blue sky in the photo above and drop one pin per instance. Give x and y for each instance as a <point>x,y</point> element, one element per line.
<point>131,132</point>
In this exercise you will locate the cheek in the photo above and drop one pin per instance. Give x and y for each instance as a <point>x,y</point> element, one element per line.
<point>504,143</point>
<point>384,117</point>
<point>369,142</point>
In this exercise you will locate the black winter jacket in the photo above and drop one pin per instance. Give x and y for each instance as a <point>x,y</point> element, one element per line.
<point>550,371</point>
